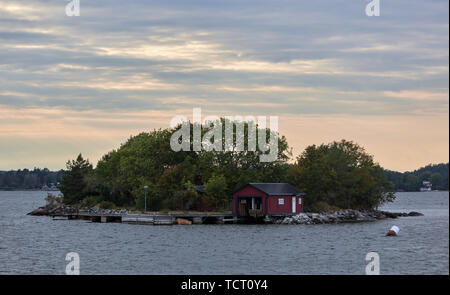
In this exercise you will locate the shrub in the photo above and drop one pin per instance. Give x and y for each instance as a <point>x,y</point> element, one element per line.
<point>184,200</point>
<point>341,174</point>
<point>52,200</point>
<point>206,203</point>
<point>322,206</point>
<point>140,202</point>
<point>106,205</point>
<point>90,201</point>
<point>164,210</point>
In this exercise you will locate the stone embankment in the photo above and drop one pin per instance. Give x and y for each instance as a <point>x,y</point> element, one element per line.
<point>342,216</point>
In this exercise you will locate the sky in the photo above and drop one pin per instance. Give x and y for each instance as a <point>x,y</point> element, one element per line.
<point>85,84</point>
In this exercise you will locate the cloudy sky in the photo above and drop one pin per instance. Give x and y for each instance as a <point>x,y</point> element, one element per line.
<point>86,83</point>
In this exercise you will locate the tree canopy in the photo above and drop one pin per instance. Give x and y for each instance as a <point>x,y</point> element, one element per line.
<point>74,185</point>
<point>412,180</point>
<point>339,174</point>
<point>147,159</point>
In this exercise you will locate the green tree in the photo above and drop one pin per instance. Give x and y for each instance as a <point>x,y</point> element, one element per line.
<point>148,159</point>
<point>412,182</point>
<point>74,185</point>
<point>153,201</point>
<point>312,174</point>
<point>143,158</point>
<point>425,176</point>
<point>437,180</point>
<point>241,166</point>
<point>217,187</point>
<point>340,174</point>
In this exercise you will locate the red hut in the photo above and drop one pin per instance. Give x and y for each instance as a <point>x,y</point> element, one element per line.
<point>260,199</point>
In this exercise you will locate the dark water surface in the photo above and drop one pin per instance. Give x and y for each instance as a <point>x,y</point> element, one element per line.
<point>38,245</point>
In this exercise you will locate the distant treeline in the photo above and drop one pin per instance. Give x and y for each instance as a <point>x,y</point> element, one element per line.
<point>37,178</point>
<point>29,179</point>
<point>412,181</point>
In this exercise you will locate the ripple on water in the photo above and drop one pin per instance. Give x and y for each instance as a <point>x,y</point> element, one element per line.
<point>38,244</point>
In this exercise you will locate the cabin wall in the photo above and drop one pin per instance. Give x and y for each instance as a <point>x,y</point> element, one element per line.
<point>275,208</point>
<point>248,191</point>
<point>270,204</point>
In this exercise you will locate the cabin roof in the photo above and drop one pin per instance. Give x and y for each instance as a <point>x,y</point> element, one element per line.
<point>274,189</point>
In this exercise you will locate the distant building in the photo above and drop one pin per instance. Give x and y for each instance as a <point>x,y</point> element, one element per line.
<point>426,186</point>
<point>260,199</point>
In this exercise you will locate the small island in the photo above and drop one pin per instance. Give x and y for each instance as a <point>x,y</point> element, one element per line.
<point>96,214</point>
<point>145,179</point>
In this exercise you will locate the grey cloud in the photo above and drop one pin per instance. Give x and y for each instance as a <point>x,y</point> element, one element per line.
<point>268,31</point>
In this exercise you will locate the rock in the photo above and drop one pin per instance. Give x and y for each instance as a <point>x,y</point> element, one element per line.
<point>414,213</point>
<point>325,219</point>
<point>389,214</point>
<point>41,211</point>
<point>362,216</point>
<point>348,215</point>
<point>287,220</point>
<point>302,218</point>
<point>61,209</point>
<point>378,215</point>
<point>332,219</point>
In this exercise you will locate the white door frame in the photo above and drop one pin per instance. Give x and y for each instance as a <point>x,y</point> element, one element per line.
<point>294,205</point>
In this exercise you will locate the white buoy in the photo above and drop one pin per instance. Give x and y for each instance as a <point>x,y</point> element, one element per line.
<point>393,231</point>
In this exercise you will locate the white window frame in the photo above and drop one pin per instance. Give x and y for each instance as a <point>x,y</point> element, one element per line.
<point>280,201</point>
<point>299,200</point>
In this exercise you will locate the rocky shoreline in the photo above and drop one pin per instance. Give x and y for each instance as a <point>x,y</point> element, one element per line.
<point>341,216</point>
<point>50,210</point>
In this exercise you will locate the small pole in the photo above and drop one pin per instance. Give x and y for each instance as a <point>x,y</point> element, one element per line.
<point>145,198</point>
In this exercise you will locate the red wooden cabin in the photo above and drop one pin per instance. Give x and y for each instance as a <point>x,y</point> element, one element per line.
<point>260,199</point>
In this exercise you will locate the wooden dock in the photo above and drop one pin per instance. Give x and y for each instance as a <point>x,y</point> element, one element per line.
<point>150,218</point>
